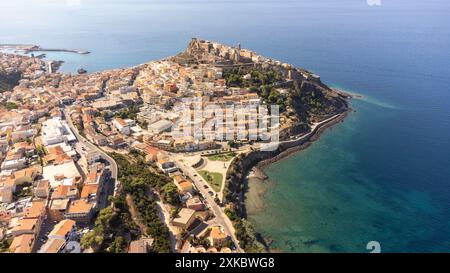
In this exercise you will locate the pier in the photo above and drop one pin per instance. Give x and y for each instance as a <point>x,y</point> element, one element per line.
<point>35,48</point>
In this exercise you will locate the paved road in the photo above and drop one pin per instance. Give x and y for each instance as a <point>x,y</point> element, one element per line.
<point>221,217</point>
<point>112,164</point>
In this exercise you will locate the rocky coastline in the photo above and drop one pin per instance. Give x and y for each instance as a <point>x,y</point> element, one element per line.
<point>255,162</point>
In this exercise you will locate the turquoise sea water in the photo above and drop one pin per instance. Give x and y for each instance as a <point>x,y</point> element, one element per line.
<point>384,174</point>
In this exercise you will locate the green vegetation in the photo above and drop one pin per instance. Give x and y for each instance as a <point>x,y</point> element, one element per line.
<point>170,194</point>
<point>9,105</point>
<point>3,87</point>
<point>23,191</point>
<point>128,113</point>
<point>222,157</point>
<point>138,180</point>
<point>213,179</point>
<point>4,245</point>
<point>111,227</point>
<point>143,124</point>
<point>245,233</point>
<point>261,81</point>
<point>114,224</point>
<point>258,77</point>
<point>194,241</point>
<point>80,129</point>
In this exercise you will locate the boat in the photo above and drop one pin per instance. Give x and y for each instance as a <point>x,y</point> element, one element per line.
<point>81,71</point>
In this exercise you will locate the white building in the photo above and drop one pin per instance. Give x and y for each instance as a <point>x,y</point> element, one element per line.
<point>63,174</point>
<point>56,131</point>
<point>123,125</point>
<point>160,126</point>
<point>12,165</point>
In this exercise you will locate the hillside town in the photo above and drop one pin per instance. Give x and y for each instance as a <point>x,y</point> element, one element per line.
<point>79,153</point>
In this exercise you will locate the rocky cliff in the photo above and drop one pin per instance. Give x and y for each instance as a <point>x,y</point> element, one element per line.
<point>301,95</point>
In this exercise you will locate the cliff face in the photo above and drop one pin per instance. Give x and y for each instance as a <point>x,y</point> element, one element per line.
<point>235,188</point>
<point>301,95</point>
<point>316,101</point>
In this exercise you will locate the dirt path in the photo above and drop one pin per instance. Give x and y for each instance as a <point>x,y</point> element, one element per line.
<point>134,213</point>
<point>164,215</point>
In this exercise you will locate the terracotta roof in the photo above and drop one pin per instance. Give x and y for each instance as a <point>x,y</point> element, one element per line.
<point>80,206</point>
<point>217,233</point>
<point>152,150</point>
<point>23,145</point>
<point>185,185</point>
<point>178,179</point>
<point>26,225</point>
<point>8,181</point>
<point>121,122</point>
<point>62,228</point>
<point>52,246</point>
<point>57,158</point>
<point>27,172</point>
<point>36,210</point>
<point>22,243</point>
<point>64,191</point>
<point>56,150</point>
<point>91,178</point>
<point>88,190</point>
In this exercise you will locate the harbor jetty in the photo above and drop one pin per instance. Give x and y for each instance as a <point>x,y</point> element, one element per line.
<point>26,49</point>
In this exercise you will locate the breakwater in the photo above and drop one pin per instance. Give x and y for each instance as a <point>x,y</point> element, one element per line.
<point>26,49</point>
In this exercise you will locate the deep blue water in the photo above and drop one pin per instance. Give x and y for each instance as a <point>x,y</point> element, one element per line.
<point>384,174</point>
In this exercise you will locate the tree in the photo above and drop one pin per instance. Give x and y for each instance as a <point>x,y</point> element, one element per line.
<point>144,124</point>
<point>10,106</point>
<point>118,246</point>
<point>92,240</point>
<point>170,193</point>
<point>231,144</point>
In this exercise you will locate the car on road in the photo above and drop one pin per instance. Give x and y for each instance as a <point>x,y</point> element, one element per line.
<point>205,186</point>
<point>211,193</point>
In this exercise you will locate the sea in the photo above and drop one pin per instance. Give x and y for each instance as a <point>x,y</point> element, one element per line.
<point>382,175</point>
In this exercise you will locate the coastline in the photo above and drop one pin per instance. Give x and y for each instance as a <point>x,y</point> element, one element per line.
<point>314,136</point>
<point>252,166</point>
<point>263,165</point>
<point>260,159</point>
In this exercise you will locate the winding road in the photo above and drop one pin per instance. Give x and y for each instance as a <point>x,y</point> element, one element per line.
<point>112,164</point>
<point>221,217</point>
